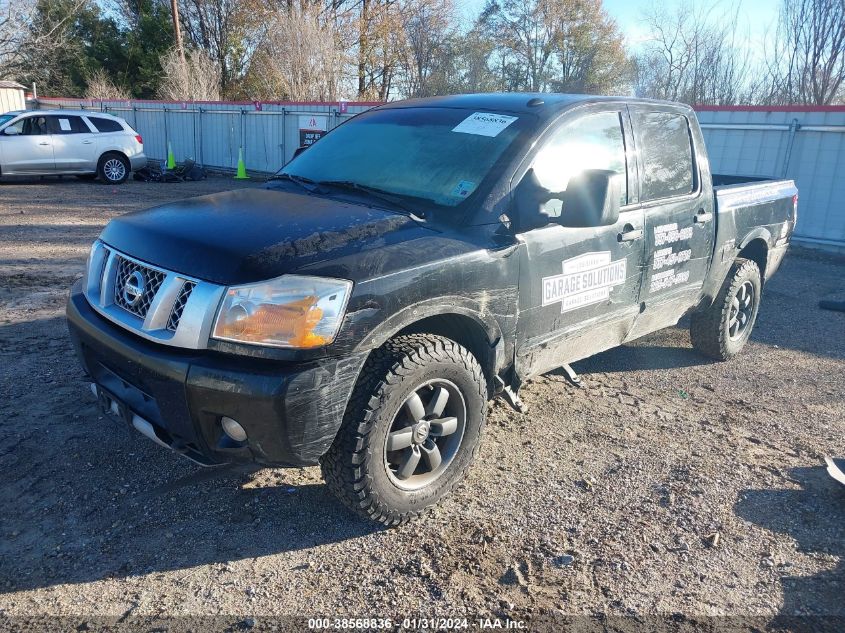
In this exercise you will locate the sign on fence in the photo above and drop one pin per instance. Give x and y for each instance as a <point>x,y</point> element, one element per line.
<point>311,129</point>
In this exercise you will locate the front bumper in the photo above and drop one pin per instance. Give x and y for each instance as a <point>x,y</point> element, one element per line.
<point>291,411</point>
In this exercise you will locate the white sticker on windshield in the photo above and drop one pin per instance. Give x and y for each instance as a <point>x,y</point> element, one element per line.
<point>484,124</point>
<point>64,124</point>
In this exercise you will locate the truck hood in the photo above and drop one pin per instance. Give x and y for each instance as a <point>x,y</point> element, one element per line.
<point>254,234</point>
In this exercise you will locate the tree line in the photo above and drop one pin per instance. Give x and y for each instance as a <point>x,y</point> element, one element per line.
<point>385,49</point>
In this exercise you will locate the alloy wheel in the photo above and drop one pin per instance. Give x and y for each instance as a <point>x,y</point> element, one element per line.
<point>114,169</point>
<point>742,309</point>
<point>425,435</point>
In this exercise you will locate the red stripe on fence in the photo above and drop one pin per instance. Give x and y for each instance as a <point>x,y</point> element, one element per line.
<point>239,103</point>
<point>785,108</point>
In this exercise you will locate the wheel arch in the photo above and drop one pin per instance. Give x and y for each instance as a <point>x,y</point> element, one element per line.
<point>456,320</point>
<point>757,250</point>
<point>112,150</point>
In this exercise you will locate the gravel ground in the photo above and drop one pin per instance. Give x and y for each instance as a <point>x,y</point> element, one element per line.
<point>668,486</point>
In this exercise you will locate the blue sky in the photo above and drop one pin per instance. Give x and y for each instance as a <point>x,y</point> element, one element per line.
<point>757,18</point>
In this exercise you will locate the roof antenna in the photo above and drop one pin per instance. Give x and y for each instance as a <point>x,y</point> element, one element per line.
<point>536,101</point>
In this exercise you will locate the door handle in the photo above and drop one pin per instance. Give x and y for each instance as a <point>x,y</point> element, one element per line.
<point>44,143</point>
<point>629,234</point>
<point>701,217</point>
<point>87,142</point>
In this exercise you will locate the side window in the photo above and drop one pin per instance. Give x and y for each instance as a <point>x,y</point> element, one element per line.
<point>18,125</point>
<point>663,140</point>
<point>35,126</point>
<point>594,141</point>
<point>105,125</point>
<point>68,125</point>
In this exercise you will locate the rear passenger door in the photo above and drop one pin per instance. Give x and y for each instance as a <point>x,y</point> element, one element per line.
<point>679,217</point>
<point>74,146</point>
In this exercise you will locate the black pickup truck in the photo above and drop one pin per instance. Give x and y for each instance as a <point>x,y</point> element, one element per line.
<point>362,308</point>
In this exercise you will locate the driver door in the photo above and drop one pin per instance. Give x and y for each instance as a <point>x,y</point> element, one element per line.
<point>579,287</point>
<point>30,151</point>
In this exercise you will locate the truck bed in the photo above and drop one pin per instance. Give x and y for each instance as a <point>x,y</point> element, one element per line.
<point>738,191</point>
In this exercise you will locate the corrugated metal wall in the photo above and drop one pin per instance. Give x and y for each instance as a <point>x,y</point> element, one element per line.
<point>213,133</point>
<point>11,99</point>
<point>805,145</point>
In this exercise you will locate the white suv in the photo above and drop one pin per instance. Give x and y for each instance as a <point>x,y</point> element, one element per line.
<point>50,142</point>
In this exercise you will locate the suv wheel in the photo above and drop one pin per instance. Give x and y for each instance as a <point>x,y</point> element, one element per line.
<point>722,330</point>
<point>113,169</point>
<point>411,429</point>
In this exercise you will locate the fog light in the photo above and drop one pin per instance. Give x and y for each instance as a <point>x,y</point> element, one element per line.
<point>233,429</point>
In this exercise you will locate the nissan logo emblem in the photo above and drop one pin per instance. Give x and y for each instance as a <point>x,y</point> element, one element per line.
<point>134,287</point>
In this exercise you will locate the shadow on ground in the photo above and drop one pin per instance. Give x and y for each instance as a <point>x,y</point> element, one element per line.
<point>814,516</point>
<point>75,486</point>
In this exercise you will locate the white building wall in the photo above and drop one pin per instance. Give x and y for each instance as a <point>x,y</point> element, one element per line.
<point>212,133</point>
<point>805,144</point>
<point>11,99</point>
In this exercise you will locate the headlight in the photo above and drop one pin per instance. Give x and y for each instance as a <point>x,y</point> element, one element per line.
<point>290,311</point>
<point>87,270</point>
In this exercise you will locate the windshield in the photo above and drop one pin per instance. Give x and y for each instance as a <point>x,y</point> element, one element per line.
<point>440,155</point>
<point>5,118</point>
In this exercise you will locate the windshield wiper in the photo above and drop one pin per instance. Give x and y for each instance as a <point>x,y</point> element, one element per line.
<point>306,183</point>
<point>380,194</point>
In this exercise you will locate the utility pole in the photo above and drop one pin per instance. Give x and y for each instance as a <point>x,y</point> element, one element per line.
<point>174,9</point>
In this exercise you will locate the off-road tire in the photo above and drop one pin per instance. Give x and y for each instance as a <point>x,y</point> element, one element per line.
<point>709,328</point>
<point>106,174</point>
<point>354,467</point>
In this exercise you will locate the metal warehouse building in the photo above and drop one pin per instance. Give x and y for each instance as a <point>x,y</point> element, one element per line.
<point>12,96</point>
<point>806,144</point>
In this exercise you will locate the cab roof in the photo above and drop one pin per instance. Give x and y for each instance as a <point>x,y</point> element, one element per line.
<point>542,104</point>
<point>105,115</point>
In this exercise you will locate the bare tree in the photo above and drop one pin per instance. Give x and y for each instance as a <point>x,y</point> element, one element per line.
<point>300,57</point>
<point>227,31</point>
<point>101,87</point>
<point>429,29</point>
<point>693,56</point>
<point>20,35</point>
<point>556,45</point>
<point>807,63</point>
<point>196,77</point>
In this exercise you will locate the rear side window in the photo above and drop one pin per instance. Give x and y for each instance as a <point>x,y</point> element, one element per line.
<point>594,141</point>
<point>68,125</point>
<point>664,143</point>
<point>105,125</point>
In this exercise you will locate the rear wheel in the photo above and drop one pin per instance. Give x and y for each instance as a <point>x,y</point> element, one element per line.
<point>411,429</point>
<point>722,330</point>
<point>113,168</point>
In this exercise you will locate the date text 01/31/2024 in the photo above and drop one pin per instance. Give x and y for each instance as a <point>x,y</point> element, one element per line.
<point>416,624</point>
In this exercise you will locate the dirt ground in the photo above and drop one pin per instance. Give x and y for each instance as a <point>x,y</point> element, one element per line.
<point>669,487</point>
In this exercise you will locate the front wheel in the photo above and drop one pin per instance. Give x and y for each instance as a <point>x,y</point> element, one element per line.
<point>411,429</point>
<point>113,169</point>
<point>722,330</point>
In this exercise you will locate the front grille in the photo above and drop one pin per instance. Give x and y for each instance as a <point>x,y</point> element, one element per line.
<point>152,280</point>
<point>179,305</point>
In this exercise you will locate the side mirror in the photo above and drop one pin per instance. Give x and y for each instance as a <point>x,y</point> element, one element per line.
<point>591,199</point>
<point>11,131</point>
<point>299,150</point>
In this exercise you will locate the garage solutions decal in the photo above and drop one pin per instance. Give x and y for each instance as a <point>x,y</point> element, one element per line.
<point>586,279</point>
